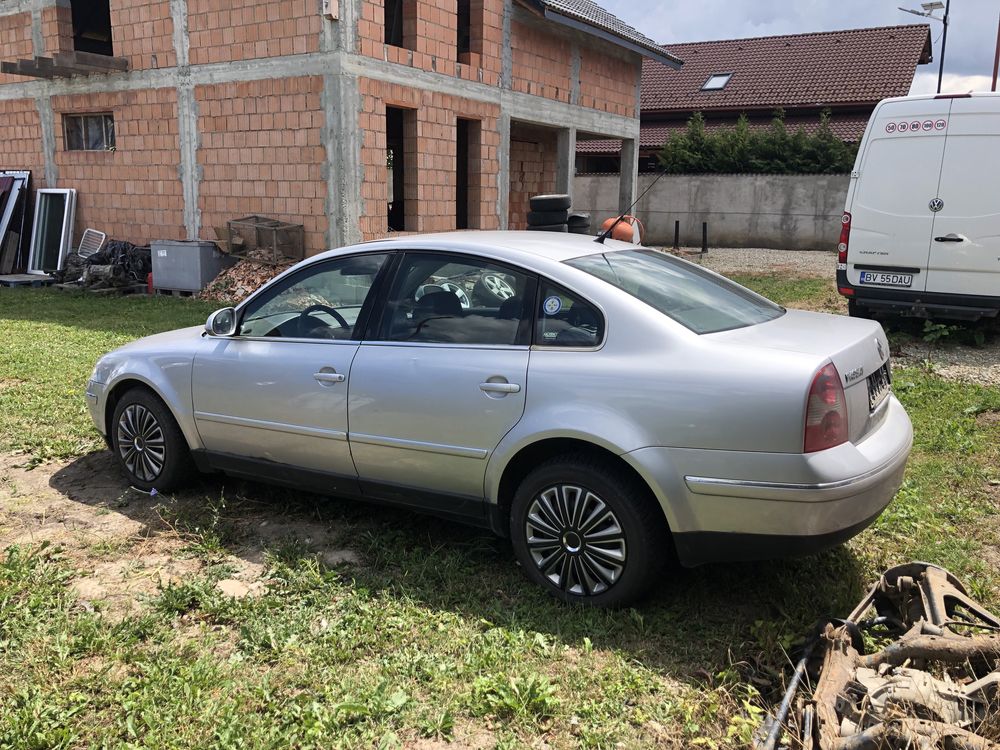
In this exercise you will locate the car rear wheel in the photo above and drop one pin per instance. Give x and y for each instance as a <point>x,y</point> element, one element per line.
<point>588,533</point>
<point>149,445</point>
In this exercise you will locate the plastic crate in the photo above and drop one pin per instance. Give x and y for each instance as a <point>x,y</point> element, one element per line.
<point>266,240</point>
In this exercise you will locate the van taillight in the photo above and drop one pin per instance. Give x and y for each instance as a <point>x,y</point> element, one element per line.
<point>826,412</point>
<point>845,238</point>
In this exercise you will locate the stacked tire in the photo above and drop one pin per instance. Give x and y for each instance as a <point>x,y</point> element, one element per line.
<point>551,213</point>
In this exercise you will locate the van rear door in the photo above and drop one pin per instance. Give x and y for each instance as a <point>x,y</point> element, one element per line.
<point>965,244</point>
<point>898,175</point>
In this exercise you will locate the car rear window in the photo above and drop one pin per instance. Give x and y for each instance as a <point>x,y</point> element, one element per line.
<point>695,298</point>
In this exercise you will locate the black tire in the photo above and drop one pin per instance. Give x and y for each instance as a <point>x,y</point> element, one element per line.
<point>549,228</point>
<point>857,311</point>
<point>559,202</point>
<point>541,218</point>
<point>578,220</point>
<point>158,456</point>
<point>630,513</point>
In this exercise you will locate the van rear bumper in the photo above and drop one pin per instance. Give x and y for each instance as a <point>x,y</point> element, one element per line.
<point>921,304</point>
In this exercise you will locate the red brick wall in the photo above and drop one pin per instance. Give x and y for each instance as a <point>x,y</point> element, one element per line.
<point>15,41</point>
<point>607,83</point>
<point>21,146</point>
<point>57,29</point>
<point>436,44</point>
<point>434,182</point>
<point>132,193</point>
<point>262,153</point>
<point>224,30</point>
<point>532,172</point>
<point>143,31</point>
<point>543,63</point>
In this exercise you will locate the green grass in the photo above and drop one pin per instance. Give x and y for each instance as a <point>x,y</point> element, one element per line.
<point>437,636</point>
<point>49,342</point>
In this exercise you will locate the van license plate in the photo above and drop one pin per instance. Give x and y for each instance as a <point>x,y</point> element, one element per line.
<point>881,278</point>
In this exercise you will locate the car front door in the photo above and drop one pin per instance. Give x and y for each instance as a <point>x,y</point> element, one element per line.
<point>276,393</point>
<point>442,380</point>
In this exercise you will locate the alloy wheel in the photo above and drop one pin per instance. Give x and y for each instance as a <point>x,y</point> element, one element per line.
<point>141,442</point>
<point>576,540</point>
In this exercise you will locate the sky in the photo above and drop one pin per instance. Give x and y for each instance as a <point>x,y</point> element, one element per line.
<point>972,29</point>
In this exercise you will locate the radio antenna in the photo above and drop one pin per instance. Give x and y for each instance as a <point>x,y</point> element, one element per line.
<point>607,233</point>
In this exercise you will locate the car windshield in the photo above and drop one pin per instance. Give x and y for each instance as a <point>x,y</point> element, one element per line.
<point>695,298</point>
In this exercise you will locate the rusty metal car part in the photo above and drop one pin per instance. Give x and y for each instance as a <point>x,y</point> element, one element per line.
<point>934,684</point>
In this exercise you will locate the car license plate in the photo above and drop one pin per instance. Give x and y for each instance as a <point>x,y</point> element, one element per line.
<point>882,278</point>
<point>879,385</point>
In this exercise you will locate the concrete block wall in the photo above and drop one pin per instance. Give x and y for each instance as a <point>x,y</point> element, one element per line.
<point>20,147</point>
<point>229,30</point>
<point>431,190</point>
<point>532,172</point>
<point>261,153</point>
<point>57,29</point>
<point>15,41</point>
<point>132,192</point>
<point>143,32</point>
<point>607,84</point>
<point>797,212</point>
<point>542,63</point>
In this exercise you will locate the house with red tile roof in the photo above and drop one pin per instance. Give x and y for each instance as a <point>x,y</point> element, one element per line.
<point>847,72</point>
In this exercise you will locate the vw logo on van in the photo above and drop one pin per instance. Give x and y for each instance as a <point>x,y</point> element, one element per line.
<point>936,205</point>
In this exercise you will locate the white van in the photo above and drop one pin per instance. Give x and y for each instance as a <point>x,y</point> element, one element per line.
<point>921,228</point>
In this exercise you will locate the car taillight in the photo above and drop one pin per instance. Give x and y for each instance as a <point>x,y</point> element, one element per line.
<point>826,412</point>
<point>845,238</point>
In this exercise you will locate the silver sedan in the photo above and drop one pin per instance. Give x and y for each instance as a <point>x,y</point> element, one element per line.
<point>608,407</point>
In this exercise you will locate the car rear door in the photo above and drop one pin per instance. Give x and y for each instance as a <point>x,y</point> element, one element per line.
<point>965,244</point>
<point>441,380</point>
<point>897,177</point>
<point>275,394</point>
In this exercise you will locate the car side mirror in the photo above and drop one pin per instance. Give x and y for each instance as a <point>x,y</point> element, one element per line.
<point>221,322</point>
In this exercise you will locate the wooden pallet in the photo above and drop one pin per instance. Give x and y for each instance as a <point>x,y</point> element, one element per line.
<point>173,292</point>
<point>25,279</point>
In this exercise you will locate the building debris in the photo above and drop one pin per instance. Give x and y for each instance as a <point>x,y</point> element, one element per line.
<point>237,283</point>
<point>119,266</point>
<point>916,666</point>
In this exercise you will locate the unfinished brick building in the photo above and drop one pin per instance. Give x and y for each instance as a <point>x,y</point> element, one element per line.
<point>354,118</point>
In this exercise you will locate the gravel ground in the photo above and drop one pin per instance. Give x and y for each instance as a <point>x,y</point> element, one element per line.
<point>948,358</point>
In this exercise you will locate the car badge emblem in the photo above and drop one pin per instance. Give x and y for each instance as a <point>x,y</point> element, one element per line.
<point>936,205</point>
<point>880,349</point>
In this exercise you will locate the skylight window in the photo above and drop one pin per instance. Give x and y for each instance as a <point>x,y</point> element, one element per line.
<point>716,81</point>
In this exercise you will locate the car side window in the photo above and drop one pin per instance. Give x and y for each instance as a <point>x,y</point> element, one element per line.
<point>450,299</point>
<point>566,320</point>
<point>323,302</point>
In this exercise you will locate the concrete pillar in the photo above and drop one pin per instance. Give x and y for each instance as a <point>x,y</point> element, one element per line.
<point>629,174</point>
<point>503,175</point>
<point>565,160</point>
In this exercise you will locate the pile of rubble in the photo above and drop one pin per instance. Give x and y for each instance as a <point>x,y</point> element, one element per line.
<point>237,283</point>
<point>119,266</point>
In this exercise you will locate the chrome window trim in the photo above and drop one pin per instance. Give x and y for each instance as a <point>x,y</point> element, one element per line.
<point>448,345</point>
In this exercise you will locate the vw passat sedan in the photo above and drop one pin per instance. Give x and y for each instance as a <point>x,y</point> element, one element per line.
<point>607,407</point>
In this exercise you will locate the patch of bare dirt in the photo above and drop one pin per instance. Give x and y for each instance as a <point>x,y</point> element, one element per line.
<point>118,540</point>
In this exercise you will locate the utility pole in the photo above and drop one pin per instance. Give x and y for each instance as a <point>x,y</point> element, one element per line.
<point>944,43</point>
<point>928,12</point>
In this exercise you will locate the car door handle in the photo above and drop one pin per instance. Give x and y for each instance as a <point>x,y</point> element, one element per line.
<point>499,387</point>
<point>329,377</point>
<point>950,238</point>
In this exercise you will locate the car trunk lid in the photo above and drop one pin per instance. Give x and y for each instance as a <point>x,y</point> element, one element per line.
<point>858,349</point>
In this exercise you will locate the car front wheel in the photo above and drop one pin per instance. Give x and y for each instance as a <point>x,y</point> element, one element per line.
<point>588,533</point>
<point>148,444</point>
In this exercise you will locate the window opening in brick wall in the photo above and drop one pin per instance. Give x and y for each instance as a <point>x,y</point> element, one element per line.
<point>92,26</point>
<point>468,178</point>
<point>464,27</point>
<point>401,142</point>
<point>90,132</point>
<point>400,23</point>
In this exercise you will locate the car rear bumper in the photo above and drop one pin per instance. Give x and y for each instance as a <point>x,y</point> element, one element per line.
<point>921,304</point>
<point>770,505</point>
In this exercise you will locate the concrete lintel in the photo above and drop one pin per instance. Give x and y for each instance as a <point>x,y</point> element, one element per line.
<point>540,111</point>
<point>629,173</point>
<point>565,160</point>
<point>46,119</point>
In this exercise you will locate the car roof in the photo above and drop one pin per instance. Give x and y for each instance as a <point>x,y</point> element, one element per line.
<point>513,245</point>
